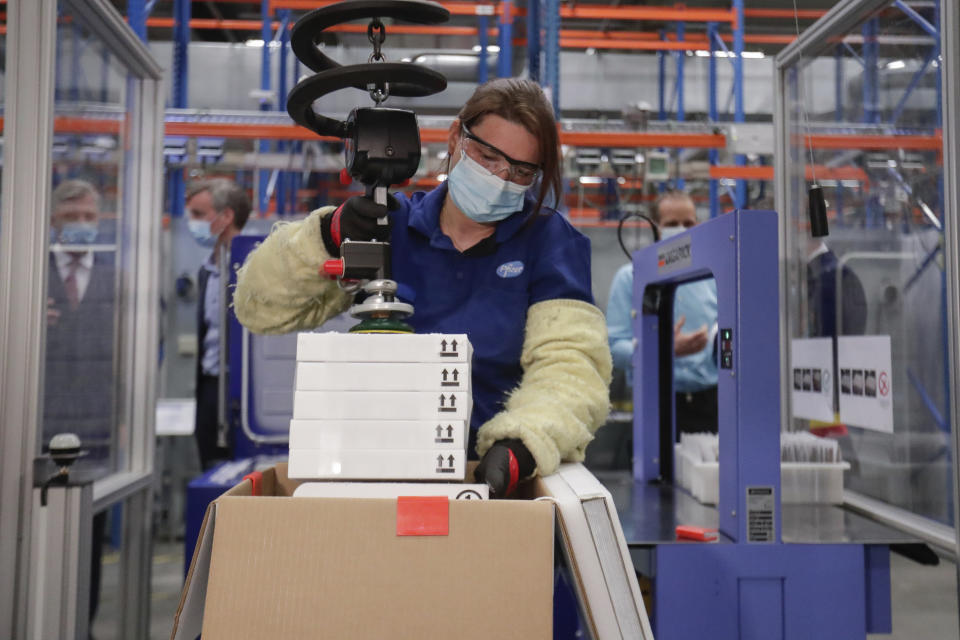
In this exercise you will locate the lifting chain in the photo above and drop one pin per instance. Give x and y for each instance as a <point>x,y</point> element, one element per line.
<point>376,34</point>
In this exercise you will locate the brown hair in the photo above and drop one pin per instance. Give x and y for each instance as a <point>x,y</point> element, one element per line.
<point>673,194</point>
<point>522,101</point>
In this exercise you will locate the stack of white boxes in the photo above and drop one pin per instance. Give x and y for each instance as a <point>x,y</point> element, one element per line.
<point>380,407</point>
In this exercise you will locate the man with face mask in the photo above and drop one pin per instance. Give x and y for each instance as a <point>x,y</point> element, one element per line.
<point>218,210</point>
<point>695,305</point>
<point>78,379</point>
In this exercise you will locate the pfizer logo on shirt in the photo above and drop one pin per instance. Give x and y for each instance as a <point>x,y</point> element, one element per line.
<point>510,269</point>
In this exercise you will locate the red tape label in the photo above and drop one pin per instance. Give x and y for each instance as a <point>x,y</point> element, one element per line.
<point>256,478</point>
<point>423,516</point>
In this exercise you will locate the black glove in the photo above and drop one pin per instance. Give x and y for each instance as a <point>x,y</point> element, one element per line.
<point>503,465</point>
<point>356,219</point>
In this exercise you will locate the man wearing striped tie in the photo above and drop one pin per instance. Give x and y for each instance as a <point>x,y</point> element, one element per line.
<point>79,380</point>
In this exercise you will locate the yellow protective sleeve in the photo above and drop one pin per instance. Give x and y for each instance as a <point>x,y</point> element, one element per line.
<point>280,287</point>
<point>563,396</point>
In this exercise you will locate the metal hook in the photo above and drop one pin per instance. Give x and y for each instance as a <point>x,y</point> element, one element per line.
<point>376,34</point>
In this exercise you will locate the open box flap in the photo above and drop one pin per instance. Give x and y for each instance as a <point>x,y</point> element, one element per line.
<point>598,551</point>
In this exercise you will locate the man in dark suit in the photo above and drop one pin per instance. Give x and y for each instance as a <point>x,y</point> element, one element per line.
<point>217,209</point>
<point>79,380</point>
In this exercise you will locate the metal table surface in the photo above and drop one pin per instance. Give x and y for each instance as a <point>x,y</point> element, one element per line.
<point>649,515</point>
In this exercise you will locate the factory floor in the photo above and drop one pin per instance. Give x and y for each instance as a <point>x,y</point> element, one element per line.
<point>924,597</point>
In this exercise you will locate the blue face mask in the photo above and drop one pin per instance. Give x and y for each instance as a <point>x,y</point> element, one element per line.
<point>78,233</point>
<point>200,230</point>
<point>481,195</point>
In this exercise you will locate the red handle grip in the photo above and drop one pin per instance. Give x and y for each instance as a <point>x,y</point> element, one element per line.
<point>333,268</point>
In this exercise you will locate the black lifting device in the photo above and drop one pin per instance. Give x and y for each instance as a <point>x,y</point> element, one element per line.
<point>381,145</point>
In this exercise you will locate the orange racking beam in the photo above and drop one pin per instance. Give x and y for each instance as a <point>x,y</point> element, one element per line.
<point>803,14</point>
<point>294,132</point>
<point>630,139</point>
<point>668,14</point>
<point>242,131</point>
<point>69,124</point>
<point>255,25</point>
<point>600,42</point>
<point>873,142</point>
<point>734,172</point>
<point>569,38</point>
<point>587,12</point>
<point>613,35</point>
<point>455,8</point>
<point>824,172</point>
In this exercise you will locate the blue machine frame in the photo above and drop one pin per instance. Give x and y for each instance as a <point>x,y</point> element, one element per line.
<point>749,584</point>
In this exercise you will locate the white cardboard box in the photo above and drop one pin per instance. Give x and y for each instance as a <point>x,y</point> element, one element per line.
<point>452,490</point>
<point>378,434</point>
<point>373,347</point>
<point>382,376</point>
<point>377,464</point>
<point>381,405</point>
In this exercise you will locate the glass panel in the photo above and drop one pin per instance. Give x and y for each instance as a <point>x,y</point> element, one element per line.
<point>3,78</point>
<point>872,103</point>
<point>86,267</point>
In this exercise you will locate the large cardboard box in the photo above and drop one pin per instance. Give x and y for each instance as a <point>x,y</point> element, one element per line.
<point>273,566</point>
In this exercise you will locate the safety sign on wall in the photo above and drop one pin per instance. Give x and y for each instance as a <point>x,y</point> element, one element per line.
<point>812,378</point>
<point>866,382</point>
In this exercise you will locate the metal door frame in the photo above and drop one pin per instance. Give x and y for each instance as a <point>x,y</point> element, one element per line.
<point>28,137</point>
<point>838,21</point>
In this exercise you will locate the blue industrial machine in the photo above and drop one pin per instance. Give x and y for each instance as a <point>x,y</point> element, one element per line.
<point>775,571</point>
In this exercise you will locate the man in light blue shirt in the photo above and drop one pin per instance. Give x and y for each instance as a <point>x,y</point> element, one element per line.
<point>695,305</point>
<point>217,209</point>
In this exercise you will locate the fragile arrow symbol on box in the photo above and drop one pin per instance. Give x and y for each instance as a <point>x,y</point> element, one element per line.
<point>453,401</point>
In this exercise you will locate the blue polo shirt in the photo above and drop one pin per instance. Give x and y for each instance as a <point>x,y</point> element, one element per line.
<point>485,291</point>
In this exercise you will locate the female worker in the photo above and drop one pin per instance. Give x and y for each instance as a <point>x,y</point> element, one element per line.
<point>481,255</point>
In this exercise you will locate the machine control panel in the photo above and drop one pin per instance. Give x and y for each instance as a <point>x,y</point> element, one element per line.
<point>726,348</point>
